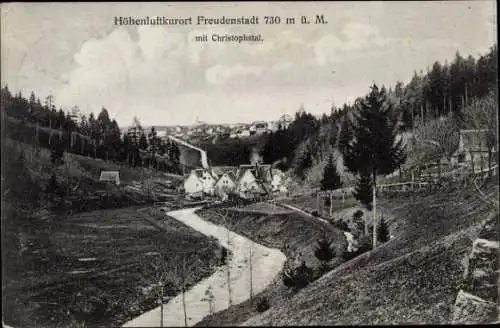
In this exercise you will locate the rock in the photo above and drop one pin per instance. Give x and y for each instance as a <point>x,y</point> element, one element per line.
<point>489,229</point>
<point>482,271</point>
<point>470,309</point>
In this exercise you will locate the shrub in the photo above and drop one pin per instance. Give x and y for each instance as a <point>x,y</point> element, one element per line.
<point>223,257</point>
<point>262,305</point>
<point>324,252</point>
<point>364,245</point>
<point>342,225</point>
<point>357,218</point>
<point>299,277</point>
<point>383,234</point>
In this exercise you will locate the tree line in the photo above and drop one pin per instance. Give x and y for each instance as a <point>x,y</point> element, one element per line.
<point>449,89</point>
<point>30,121</point>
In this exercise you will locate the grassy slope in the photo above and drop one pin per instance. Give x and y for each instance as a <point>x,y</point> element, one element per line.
<point>297,232</point>
<point>414,278</point>
<point>41,244</point>
<point>39,287</point>
<point>77,167</point>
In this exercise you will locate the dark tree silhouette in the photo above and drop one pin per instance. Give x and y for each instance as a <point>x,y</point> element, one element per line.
<point>375,150</point>
<point>383,231</point>
<point>324,252</point>
<point>331,179</point>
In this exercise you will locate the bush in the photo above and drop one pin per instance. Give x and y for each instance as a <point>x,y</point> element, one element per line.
<point>364,245</point>
<point>262,305</point>
<point>341,225</point>
<point>223,257</point>
<point>299,277</point>
<point>324,251</point>
<point>383,234</point>
<point>357,218</point>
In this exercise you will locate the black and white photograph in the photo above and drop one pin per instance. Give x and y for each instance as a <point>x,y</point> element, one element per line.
<point>314,163</point>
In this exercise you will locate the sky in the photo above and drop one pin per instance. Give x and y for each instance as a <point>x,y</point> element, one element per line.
<point>159,74</point>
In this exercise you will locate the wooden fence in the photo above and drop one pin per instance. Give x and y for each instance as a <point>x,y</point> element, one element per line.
<point>429,182</point>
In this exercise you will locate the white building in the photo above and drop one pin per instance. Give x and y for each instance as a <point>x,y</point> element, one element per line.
<point>193,185</point>
<point>259,128</point>
<point>278,182</point>
<point>244,133</point>
<point>225,185</point>
<point>247,185</point>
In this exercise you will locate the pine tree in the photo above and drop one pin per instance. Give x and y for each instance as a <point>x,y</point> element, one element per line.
<point>383,232</point>
<point>143,143</point>
<point>331,179</point>
<point>364,190</point>
<point>57,153</point>
<point>375,150</point>
<point>324,252</point>
<point>357,218</point>
<point>346,134</point>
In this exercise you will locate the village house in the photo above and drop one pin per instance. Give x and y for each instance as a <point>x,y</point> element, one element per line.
<point>278,182</point>
<point>193,185</point>
<point>110,176</point>
<point>225,185</point>
<point>247,181</point>
<point>258,128</point>
<point>247,185</point>
<point>200,182</point>
<point>474,147</point>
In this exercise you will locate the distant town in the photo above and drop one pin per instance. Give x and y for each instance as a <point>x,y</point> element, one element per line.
<point>202,131</point>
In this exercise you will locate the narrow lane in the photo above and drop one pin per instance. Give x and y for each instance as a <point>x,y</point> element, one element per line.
<point>266,264</point>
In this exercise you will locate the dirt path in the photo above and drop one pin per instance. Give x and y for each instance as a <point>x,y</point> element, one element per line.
<point>266,264</point>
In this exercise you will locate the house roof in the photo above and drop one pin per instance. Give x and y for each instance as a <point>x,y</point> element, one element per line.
<point>198,173</point>
<point>110,176</point>
<point>220,170</point>
<point>242,172</point>
<point>232,175</point>
<point>474,140</point>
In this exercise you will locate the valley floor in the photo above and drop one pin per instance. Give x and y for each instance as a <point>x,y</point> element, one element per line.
<point>95,268</point>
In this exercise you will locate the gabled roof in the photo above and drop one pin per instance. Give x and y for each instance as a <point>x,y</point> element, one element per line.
<point>242,172</point>
<point>474,140</point>
<point>232,176</point>
<point>220,170</point>
<point>198,173</point>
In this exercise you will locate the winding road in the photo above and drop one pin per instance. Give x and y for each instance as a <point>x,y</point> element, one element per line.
<point>266,264</point>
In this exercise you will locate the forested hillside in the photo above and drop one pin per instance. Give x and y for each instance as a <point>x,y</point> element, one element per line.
<point>28,120</point>
<point>461,94</point>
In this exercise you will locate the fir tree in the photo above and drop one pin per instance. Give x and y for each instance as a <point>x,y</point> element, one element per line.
<point>331,179</point>
<point>383,231</point>
<point>375,150</point>
<point>143,142</point>
<point>57,153</point>
<point>346,135</point>
<point>364,190</point>
<point>324,252</point>
<point>357,218</point>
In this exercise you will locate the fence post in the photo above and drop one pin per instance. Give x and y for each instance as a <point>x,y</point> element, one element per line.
<point>331,204</point>
<point>318,202</point>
